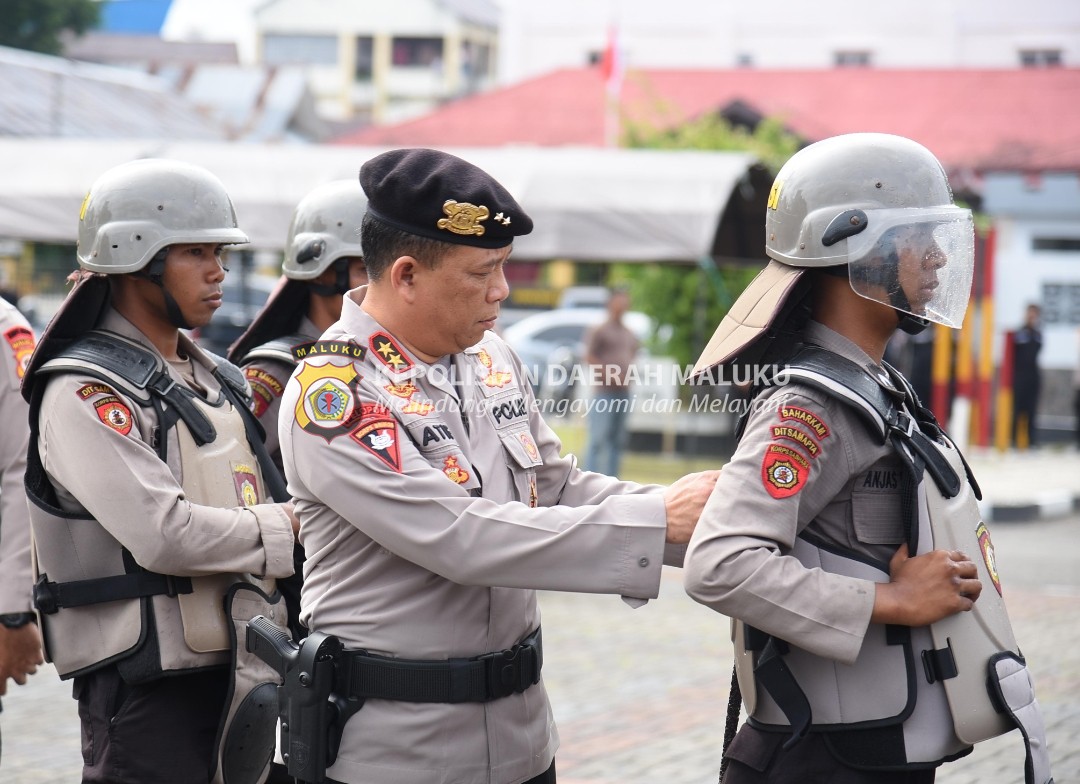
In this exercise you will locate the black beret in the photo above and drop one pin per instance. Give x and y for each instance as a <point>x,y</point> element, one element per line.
<point>437,195</point>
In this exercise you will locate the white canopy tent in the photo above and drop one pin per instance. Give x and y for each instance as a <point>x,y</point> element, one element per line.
<point>587,204</point>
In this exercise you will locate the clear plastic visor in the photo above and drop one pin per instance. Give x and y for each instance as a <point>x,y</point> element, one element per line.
<point>918,261</point>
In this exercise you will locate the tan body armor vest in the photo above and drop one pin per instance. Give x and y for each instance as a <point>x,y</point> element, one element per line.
<point>171,623</point>
<point>914,697</point>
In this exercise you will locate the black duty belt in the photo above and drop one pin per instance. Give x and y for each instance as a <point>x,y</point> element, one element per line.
<point>484,678</point>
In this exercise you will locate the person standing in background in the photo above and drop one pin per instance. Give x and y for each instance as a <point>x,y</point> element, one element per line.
<point>1027,343</point>
<point>610,349</point>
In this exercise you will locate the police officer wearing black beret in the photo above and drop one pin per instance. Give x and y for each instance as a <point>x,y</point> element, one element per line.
<point>434,500</point>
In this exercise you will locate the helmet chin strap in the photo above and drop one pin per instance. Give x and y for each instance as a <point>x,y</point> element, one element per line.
<point>910,324</point>
<point>341,280</point>
<point>155,273</point>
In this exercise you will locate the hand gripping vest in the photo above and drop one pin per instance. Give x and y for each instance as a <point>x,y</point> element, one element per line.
<point>97,606</point>
<point>914,697</point>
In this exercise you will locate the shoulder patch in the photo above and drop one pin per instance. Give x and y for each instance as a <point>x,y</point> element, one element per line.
<point>336,348</point>
<point>808,418</point>
<point>783,471</point>
<point>89,390</point>
<point>326,405</point>
<point>21,341</point>
<point>377,433</point>
<point>796,435</point>
<point>112,412</point>
<point>264,387</point>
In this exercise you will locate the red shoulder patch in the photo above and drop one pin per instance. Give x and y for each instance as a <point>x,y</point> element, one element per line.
<point>377,433</point>
<point>264,387</point>
<point>21,341</point>
<point>114,414</point>
<point>784,471</point>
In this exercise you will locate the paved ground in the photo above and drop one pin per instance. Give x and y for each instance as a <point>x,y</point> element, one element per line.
<point>640,695</point>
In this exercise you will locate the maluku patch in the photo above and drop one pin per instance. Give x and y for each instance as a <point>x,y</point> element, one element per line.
<point>326,405</point>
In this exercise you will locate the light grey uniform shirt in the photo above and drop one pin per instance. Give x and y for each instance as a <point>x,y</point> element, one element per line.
<point>804,462</point>
<point>15,350</point>
<point>404,559</point>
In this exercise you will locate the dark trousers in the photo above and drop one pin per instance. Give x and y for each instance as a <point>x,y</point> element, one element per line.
<point>162,731</point>
<point>547,777</point>
<point>757,757</point>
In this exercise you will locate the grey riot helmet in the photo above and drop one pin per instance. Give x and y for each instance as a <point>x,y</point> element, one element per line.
<point>323,234</point>
<point>137,209</point>
<point>882,206</point>
<point>873,207</point>
<point>325,229</point>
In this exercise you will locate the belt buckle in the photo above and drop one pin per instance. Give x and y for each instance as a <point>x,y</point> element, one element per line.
<point>502,672</point>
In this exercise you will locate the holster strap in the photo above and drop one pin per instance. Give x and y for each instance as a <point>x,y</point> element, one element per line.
<point>484,678</point>
<point>1013,690</point>
<point>49,597</point>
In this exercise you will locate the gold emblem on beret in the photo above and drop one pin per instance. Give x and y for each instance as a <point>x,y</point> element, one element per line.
<point>463,218</point>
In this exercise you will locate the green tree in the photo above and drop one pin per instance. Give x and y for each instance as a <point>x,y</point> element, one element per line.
<point>37,24</point>
<point>692,299</point>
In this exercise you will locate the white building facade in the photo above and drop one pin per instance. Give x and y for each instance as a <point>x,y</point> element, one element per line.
<point>540,37</point>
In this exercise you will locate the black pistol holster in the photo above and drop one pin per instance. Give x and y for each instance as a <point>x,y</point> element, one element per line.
<point>312,715</point>
<point>324,685</point>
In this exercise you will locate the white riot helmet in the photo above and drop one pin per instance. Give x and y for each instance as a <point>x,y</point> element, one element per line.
<point>325,227</point>
<point>882,206</point>
<point>135,210</point>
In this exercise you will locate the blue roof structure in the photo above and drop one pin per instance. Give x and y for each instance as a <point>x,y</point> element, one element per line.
<point>134,16</point>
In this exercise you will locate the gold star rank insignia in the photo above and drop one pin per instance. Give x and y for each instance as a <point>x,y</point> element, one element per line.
<point>388,353</point>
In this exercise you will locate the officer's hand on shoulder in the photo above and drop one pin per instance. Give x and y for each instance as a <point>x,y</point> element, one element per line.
<point>926,588</point>
<point>683,502</point>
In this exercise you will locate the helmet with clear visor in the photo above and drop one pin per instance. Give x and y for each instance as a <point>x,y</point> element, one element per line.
<point>882,206</point>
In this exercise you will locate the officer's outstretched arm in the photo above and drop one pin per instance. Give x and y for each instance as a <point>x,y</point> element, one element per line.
<point>926,588</point>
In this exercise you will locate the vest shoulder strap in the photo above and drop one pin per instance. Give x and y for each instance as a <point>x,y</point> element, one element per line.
<point>137,370</point>
<point>844,380</point>
<point>881,412</point>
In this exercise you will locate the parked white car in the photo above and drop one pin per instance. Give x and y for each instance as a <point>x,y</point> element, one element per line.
<point>551,343</point>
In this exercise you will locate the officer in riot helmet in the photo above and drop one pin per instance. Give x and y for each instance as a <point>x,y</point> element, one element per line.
<point>323,260</point>
<point>843,538</point>
<point>155,535</point>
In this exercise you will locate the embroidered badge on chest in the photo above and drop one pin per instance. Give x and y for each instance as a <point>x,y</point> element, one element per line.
<point>247,486</point>
<point>987,548</point>
<point>327,403</point>
<point>454,471</point>
<point>377,433</point>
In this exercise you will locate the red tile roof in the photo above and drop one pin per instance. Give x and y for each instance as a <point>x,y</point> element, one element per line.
<point>976,120</point>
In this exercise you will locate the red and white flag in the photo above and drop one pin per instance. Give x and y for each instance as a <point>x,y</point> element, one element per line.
<point>611,66</point>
